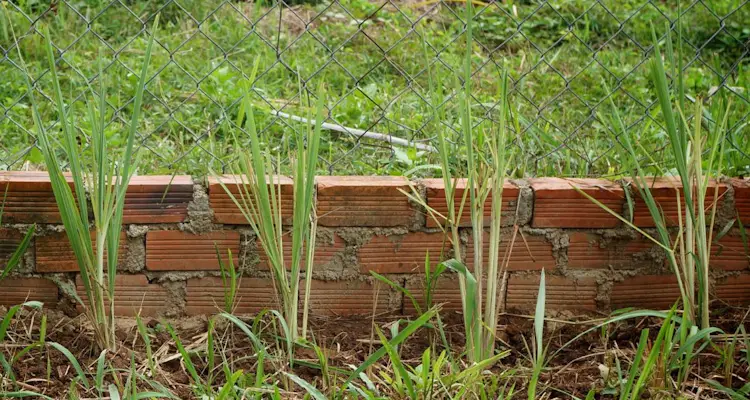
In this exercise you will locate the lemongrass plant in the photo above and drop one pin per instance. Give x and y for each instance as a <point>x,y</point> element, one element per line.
<point>97,173</point>
<point>259,201</point>
<point>698,159</point>
<point>486,165</point>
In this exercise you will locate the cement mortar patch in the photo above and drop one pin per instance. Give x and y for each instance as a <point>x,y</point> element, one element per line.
<point>200,215</point>
<point>525,205</point>
<point>136,231</point>
<point>726,209</point>
<point>68,297</point>
<point>177,276</point>
<point>176,294</point>
<point>559,240</point>
<point>134,259</point>
<point>421,214</point>
<point>360,236</point>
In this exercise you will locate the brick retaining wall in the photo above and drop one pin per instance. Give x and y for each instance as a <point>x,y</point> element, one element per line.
<point>168,263</point>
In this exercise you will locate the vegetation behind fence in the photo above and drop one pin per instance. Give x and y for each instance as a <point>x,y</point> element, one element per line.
<point>565,59</point>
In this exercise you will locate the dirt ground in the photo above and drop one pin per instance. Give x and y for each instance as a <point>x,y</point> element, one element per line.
<point>347,341</point>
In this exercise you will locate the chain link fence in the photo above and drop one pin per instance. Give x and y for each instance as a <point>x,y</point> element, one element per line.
<point>569,62</point>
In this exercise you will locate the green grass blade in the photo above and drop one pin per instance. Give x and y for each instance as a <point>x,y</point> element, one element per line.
<point>12,312</point>
<point>403,335</point>
<point>185,356</point>
<point>627,386</point>
<point>73,361</point>
<point>310,389</point>
<point>400,288</point>
<point>15,258</point>
<point>114,394</point>
<point>99,377</point>
<point>398,366</point>
<point>22,394</point>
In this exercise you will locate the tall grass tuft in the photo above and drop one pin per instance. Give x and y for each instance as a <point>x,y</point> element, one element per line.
<point>698,159</point>
<point>485,167</point>
<point>261,208</point>
<point>100,173</point>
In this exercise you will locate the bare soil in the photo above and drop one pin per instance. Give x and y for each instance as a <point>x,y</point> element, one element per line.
<point>575,370</point>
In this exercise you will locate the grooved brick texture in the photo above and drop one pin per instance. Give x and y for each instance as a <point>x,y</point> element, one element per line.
<point>364,201</point>
<point>645,291</point>
<point>334,298</point>
<point>325,250</point>
<point>730,254</point>
<point>558,205</point>
<point>561,293</point>
<point>446,292</point>
<point>54,253</point>
<point>401,253</point>
<point>435,193</point>
<point>28,198</point>
<point>184,251</point>
<point>157,199</point>
<point>206,295</point>
<point>10,239</point>
<point>133,295</point>
<point>663,191</point>
<point>529,252</point>
<point>742,198</point>
<point>15,291</point>
<point>734,290</point>
<point>589,250</point>
<point>225,209</point>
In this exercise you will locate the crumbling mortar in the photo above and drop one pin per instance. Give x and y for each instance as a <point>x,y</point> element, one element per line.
<point>134,258</point>
<point>419,221</point>
<point>525,203</point>
<point>200,214</point>
<point>726,209</point>
<point>559,240</point>
<point>176,298</point>
<point>67,297</point>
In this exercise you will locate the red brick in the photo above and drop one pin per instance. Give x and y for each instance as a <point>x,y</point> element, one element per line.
<point>28,197</point>
<point>206,296</point>
<point>742,198</point>
<point>446,292</point>
<point>133,295</point>
<point>529,252</point>
<point>561,293</point>
<point>363,201</point>
<point>15,291</point>
<point>734,290</point>
<point>184,251</point>
<point>436,200</point>
<point>347,298</point>
<point>324,252</point>
<point>157,199</point>
<point>10,239</point>
<point>225,209</point>
<point>401,253</point>
<point>558,205</point>
<point>664,192</point>
<point>645,291</point>
<point>54,253</point>
<point>588,250</point>
<point>730,253</point>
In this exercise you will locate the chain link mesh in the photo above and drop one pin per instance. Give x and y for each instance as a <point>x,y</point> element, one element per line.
<point>566,60</point>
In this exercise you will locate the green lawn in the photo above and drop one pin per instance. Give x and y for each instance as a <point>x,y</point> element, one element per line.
<point>564,58</point>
